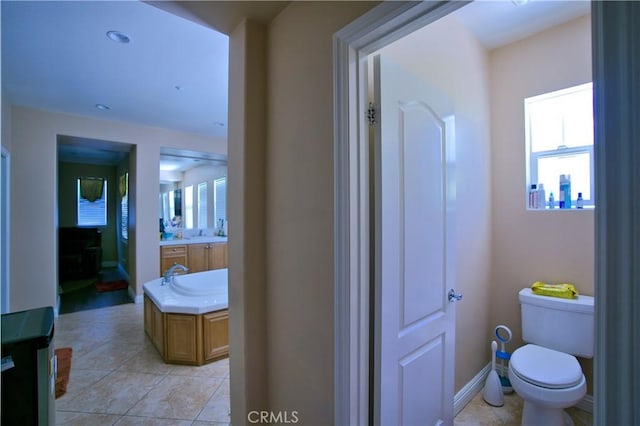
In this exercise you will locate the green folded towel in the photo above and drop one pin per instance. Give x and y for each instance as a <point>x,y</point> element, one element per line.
<point>565,291</point>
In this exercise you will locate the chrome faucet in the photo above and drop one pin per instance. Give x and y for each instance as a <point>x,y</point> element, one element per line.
<point>168,276</point>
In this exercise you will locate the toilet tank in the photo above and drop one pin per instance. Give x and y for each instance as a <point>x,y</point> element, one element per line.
<point>566,325</point>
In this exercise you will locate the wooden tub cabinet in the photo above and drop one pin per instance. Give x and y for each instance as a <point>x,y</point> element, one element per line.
<point>186,338</point>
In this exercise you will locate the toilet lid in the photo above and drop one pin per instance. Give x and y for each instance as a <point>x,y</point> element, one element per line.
<point>545,367</point>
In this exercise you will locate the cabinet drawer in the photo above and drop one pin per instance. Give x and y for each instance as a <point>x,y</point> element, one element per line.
<point>173,251</point>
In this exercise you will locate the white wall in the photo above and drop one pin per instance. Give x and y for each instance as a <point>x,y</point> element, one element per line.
<point>442,55</point>
<point>34,196</point>
<point>553,246</point>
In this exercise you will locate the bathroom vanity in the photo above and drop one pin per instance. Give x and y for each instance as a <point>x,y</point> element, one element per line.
<point>196,253</point>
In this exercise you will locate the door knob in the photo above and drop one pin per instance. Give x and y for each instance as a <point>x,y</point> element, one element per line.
<point>453,296</point>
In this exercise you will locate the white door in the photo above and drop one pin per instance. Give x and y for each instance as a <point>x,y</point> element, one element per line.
<point>413,318</point>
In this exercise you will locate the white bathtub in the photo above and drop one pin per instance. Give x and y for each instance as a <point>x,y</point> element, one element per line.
<point>196,293</point>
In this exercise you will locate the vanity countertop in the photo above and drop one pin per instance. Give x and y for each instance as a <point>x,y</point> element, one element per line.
<point>193,240</point>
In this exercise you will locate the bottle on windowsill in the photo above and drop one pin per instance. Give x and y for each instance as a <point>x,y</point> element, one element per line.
<point>541,196</point>
<point>552,201</point>
<point>579,201</point>
<point>533,196</point>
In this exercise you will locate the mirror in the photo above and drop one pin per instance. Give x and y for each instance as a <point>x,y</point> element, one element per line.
<point>192,193</point>
<point>170,205</point>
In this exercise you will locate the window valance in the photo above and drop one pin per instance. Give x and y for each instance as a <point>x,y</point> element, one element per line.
<point>91,188</point>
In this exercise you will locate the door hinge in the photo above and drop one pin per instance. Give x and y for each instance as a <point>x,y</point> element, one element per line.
<point>371,114</point>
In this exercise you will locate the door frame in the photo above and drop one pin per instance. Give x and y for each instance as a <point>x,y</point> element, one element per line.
<point>379,27</point>
<point>611,26</point>
<point>5,232</point>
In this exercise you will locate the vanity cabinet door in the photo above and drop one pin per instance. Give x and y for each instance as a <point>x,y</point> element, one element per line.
<point>170,255</point>
<point>215,328</point>
<point>198,257</point>
<point>218,256</point>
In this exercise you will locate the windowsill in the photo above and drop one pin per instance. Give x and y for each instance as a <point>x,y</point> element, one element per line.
<point>572,209</point>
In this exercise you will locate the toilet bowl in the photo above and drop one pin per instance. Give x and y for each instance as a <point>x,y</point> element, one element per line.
<point>548,381</point>
<point>545,372</point>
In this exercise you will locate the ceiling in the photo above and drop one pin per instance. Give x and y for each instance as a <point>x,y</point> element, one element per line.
<point>56,56</point>
<point>496,23</point>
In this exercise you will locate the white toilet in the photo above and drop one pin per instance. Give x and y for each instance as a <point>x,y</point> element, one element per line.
<point>545,372</point>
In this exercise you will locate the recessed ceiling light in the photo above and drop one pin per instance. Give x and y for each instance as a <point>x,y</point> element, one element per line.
<point>118,37</point>
<point>103,107</point>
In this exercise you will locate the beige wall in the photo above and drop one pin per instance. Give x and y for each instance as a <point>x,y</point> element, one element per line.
<point>246,194</point>
<point>68,173</point>
<point>34,216</point>
<point>299,182</point>
<point>442,54</point>
<point>554,246</point>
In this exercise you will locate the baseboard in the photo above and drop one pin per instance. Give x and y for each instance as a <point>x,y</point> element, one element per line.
<point>471,389</point>
<point>586,404</point>
<point>135,297</point>
<point>109,264</point>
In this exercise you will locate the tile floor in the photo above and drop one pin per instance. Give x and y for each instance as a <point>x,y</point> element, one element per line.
<point>118,378</point>
<point>479,413</point>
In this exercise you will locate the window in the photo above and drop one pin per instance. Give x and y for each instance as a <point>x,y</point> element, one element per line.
<point>202,205</point>
<point>559,136</point>
<point>188,207</point>
<point>92,201</point>
<point>220,201</point>
<point>124,206</point>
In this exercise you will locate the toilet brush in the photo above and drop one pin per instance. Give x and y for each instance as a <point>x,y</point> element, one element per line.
<point>492,392</point>
<point>503,334</point>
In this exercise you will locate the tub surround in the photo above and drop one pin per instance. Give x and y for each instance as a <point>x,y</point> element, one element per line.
<point>192,293</point>
<point>188,320</point>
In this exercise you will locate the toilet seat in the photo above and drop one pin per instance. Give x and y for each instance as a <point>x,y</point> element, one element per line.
<point>545,367</point>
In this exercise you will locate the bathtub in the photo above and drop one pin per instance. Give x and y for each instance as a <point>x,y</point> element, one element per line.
<point>196,293</point>
<point>188,320</point>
